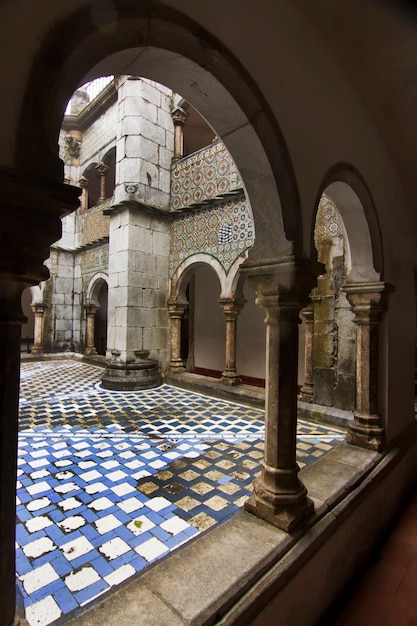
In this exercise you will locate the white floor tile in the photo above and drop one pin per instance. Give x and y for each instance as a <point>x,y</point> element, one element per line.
<point>101,504</point>
<point>37,548</point>
<point>91,475</point>
<point>72,523</point>
<point>119,575</point>
<point>151,549</point>
<point>66,488</point>
<point>140,525</point>
<point>131,504</point>
<point>157,504</point>
<point>38,578</point>
<point>174,525</point>
<point>95,488</point>
<point>43,612</point>
<point>123,489</point>
<point>75,548</point>
<point>69,504</point>
<point>37,523</point>
<point>83,578</point>
<point>38,488</point>
<point>37,504</point>
<point>114,548</point>
<point>106,524</point>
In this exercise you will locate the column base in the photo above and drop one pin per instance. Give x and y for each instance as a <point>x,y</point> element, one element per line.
<point>90,351</point>
<point>141,374</point>
<point>36,349</point>
<point>306,393</point>
<point>231,379</point>
<point>365,433</point>
<point>176,366</point>
<point>286,511</point>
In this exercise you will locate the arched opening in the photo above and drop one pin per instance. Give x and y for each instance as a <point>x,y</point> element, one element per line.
<point>100,326</point>
<point>96,310</point>
<point>342,360</point>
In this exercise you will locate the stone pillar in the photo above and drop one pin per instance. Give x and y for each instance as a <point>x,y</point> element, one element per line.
<point>190,365</point>
<point>231,308</point>
<point>38,311</point>
<point>90,348</point>
<point>306,392</point>
<point>368,303</point>
<point>178,116</point>
<point>102,172</point>
<point>176,311</point>
<point>30,222</point>
<point>279,496</point>
<point>83,182</point>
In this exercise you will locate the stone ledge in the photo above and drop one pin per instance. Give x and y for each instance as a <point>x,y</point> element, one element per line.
<point>204,582</point>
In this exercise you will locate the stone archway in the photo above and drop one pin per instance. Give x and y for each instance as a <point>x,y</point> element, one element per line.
<point>366,294</point>
<point>96,314</point>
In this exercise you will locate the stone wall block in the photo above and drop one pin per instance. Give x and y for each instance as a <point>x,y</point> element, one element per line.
<point>151,92</point>
<point>164,180</point>
<point>165,120</point>
<point>157,198</point>
<point>130,125</point>
<point>129,171</point>
<point>153,132</point>
<point>165,157</point>
<point>148,174</point>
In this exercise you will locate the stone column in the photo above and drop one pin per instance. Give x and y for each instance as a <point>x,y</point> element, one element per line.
<point>178,116</point>
<point>190,365</point>
<point>29,223</point>
<point>278,494</point>
<point>231,308</point>
<point>176,311</point>
<point>306,392</point>
<point>368,303</point>
<point>102,172</point>
<point>83,182</point>
<point>90,348</point>
<point>38,311</point>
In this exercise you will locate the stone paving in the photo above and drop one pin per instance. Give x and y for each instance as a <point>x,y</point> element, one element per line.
<point>109,482</point>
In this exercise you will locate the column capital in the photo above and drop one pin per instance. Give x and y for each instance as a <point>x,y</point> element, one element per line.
<point>38,308</point>
<point>83,182</point>
<point>176,308</point>
<point>232,306</point>
<point>102,169</point>
<point>368,300</point>
<point>290,278</point>
<point>179,116</point>
<point>91,309</point>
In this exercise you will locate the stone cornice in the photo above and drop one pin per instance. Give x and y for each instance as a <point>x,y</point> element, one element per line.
<point>139,207</point>
<point>92,111</point>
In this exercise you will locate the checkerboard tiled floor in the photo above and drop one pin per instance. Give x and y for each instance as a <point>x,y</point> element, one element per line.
<point>109,482</point>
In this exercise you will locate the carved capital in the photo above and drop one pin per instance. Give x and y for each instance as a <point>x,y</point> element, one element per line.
<point>231,307</point>
<point>368,301</point>
<point>102,169</point>
<point>179,116</point>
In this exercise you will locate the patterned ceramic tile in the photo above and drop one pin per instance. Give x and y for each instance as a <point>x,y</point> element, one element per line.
<point>108,482</point>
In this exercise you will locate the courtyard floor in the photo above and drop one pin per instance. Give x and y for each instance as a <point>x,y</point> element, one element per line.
<point>109,482</point>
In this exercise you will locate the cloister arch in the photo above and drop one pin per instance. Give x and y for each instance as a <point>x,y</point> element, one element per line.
<point>96,313</point>
<point>228,281</point>
<point>349,193</point>
<point>158,43</point>
<point>94,286</point>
